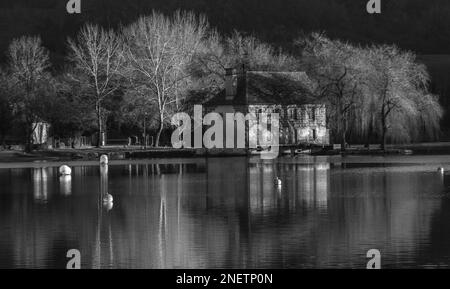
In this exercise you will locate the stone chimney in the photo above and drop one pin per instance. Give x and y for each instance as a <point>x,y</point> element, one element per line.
<point>231,80</point>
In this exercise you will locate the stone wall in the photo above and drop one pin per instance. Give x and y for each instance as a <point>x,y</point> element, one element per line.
<point>299,123</point>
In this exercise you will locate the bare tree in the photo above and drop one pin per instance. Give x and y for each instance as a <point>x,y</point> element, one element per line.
<point>28,61</point>
<point>255,55</point>
<point>97,55</point>
<point>158,51</point>
<point>208,66</point>
<point>6,117</point>
<point>244,53</point>
<point>137,110</point>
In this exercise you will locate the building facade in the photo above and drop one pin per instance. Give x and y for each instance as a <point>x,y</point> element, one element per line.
<point>302,118</point>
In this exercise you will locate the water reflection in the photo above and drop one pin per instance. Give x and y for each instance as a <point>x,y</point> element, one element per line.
<point>221,213</point>
<point>40,184</point>
<point>65,185</point>
<point>304,185</point>
<point>105,197</point>
<point>104,253</point>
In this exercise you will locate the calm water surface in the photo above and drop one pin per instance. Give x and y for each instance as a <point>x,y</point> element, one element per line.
<point>226,213</point>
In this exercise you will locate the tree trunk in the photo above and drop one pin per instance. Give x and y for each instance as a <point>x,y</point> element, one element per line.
<point>384,129</point>
<point>383,141</point>
<point>161,126</point>
<point>99,124</point>
<point>343,142</point>
<point>27,140</point>
<point>145,134</point>
<point>369,133</point>
<point>28,135</point>
<point>343,133</point>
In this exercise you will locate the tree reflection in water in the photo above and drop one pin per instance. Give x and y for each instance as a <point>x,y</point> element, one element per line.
<point>216,213</point>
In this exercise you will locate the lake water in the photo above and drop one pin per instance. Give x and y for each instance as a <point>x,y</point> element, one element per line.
<point>227,213</point>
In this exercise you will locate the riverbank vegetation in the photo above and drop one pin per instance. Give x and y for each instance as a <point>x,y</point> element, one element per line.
<point>130,81</point>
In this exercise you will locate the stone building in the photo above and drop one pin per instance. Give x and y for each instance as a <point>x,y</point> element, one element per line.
<point>302,117</point>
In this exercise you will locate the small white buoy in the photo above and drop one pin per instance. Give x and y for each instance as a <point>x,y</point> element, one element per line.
<point>277,181</point>
<point>103,159</point>
<point>441,170</point>
<point>65,170</point>
<point>107,198</point>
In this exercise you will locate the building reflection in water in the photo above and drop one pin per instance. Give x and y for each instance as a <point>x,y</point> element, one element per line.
<point>312,184</point>
<point>40,184</point>
<point>302,185</point>
<point>222,213</point>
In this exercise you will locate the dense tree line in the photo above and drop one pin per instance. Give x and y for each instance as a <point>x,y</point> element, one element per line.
<point>138,75</point>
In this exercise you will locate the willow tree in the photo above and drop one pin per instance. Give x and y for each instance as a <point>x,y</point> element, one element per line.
<point>97,55</point>
<point>336,68</point>
<point>27,66</point>
<point>158,50</point>
<point>398,91</point>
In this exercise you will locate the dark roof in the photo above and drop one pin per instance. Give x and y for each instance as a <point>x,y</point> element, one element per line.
<point>266,87</point>
<point>239,99</point>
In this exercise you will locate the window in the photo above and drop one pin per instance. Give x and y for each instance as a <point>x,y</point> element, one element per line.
<point>292,112</point>
<point>313,114</point>
<point>258,113</point>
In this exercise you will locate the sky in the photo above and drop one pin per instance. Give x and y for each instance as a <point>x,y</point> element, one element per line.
<point>422,26</point>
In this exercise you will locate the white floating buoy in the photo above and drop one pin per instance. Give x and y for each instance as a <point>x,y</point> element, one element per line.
<point>103,159</point>
<point>277,182</point>
<point>108,198</point>
<point>441,170</point>
<point>65,170</point>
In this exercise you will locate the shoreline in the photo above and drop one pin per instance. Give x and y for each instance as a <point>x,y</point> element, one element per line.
<point>136,153</point>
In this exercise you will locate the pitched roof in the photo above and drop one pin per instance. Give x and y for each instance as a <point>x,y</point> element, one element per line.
<point>267,87</point>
